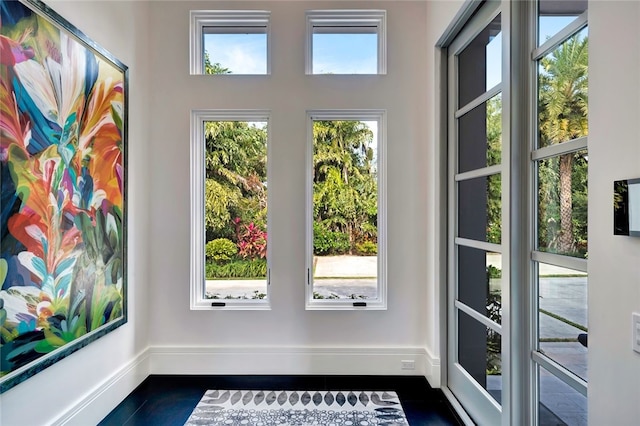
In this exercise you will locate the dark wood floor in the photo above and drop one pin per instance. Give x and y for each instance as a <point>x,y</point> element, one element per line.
<point>169,400</point>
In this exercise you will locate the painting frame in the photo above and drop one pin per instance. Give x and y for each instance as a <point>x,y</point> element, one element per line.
<point>88,274</point>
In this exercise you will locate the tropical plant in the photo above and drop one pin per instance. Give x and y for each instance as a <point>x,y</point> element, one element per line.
<point>252,242</point>
<point>329,242</point>
<point>220,249</point>
<point>345,179</point>
<point>494,182</point>
<point>214,68</point>
<point>235,185</point>
<point>367,248</point>
<point>256,268</point>
<point>563,110</point>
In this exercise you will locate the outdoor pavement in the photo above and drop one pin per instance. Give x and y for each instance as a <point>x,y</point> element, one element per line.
<point>341,276</point>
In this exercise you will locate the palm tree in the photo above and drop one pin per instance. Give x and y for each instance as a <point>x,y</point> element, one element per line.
<point>563,116</point>
<point>344,179</point>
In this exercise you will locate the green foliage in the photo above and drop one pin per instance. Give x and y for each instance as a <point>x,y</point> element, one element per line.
<point>493,272</point>
<point>215,68</point>
<point>242,269</point>
<point>494,340</point>
<point>329,242</point>
<point>367,248</point>
<point>563,106</point>
<point>220,249</point>
<point>236,174</point>
<point>494,182</point>
<point>344,182</point>
<point>218,200</point>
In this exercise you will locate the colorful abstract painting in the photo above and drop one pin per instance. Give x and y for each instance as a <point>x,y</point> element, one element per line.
<point>62,158</point>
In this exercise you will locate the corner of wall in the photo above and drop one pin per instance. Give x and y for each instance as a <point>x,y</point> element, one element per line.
<point>103,398</point>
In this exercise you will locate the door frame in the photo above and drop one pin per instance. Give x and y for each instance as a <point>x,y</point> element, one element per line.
<point>518,405</point>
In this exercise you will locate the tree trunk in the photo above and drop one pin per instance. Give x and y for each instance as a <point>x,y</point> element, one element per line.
<point>566,243</point>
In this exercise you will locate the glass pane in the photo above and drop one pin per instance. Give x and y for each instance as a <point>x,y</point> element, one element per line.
<point>480,64</point>
<point>480,353</point>
<point>480,136</point>
<point>560,404</point>
<point>345,209</point>
<point>562,204</point>
<point>236,210</point>
<point>563,92</point>
<point>554,15</point>
<point>483,295</point>
<point>480,210</point>
<point>563,316</point>
<point>353,53</point>
<point>235,53</point>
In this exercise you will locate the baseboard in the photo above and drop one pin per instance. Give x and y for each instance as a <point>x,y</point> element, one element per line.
<point>107,395</point>
<point>287,360</point>
<point>432,370</point>
<point>457,407</point>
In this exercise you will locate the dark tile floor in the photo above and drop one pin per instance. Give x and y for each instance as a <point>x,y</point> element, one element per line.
<point>168,400</point>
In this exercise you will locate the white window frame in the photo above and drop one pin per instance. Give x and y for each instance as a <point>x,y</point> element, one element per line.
<point>197,155</point>
<point>380,303</point>
<point>352,21</point>
<point>538,257</point>
<point>224,22</point>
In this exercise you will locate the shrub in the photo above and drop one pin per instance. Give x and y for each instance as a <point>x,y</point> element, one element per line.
<point>493,272</point>
<point>329,242</point>
<point>220,249</point>
<point>256,268</point>
<point>252,242</point>
<point>367,248</point>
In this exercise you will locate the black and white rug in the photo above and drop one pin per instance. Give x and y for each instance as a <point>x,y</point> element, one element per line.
<point>298,408</point>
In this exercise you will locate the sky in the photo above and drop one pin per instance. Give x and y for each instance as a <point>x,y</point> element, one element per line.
<point>549,26</point>
<point>332,53</point>
<point>342,53</point>
<point>242,53</point>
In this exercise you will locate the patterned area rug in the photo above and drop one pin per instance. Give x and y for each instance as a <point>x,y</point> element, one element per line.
<point>298,408</point>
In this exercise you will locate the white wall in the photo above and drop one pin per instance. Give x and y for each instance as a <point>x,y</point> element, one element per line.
<point>614,266</point>
<point>439,15</point>
<point>288,93</point>
<point>153,41</point>
<point>121,28</point>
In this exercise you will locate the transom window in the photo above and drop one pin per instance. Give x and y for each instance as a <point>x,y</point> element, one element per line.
<point>230,42</point>
<point>346,256</point>
<point>346,42</point>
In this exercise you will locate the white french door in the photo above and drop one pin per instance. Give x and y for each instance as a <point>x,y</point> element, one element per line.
<point>475,235</point>
<point>517,144</point>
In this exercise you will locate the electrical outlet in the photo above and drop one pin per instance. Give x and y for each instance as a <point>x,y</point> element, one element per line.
<point>408,364</point>
<point>636,332</point>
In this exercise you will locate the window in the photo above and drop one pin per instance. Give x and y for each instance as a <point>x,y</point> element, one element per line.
<point>229,264</point>
<point>230,42</point>
<point>554,16</point>
<point>346,42</point>
<point>560,170</point>
<point>346,227</point>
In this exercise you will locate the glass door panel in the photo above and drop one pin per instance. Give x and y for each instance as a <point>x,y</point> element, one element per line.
<point>475,187</point>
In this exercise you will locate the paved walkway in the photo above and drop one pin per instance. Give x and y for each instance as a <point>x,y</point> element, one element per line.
<point>334,276</point>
